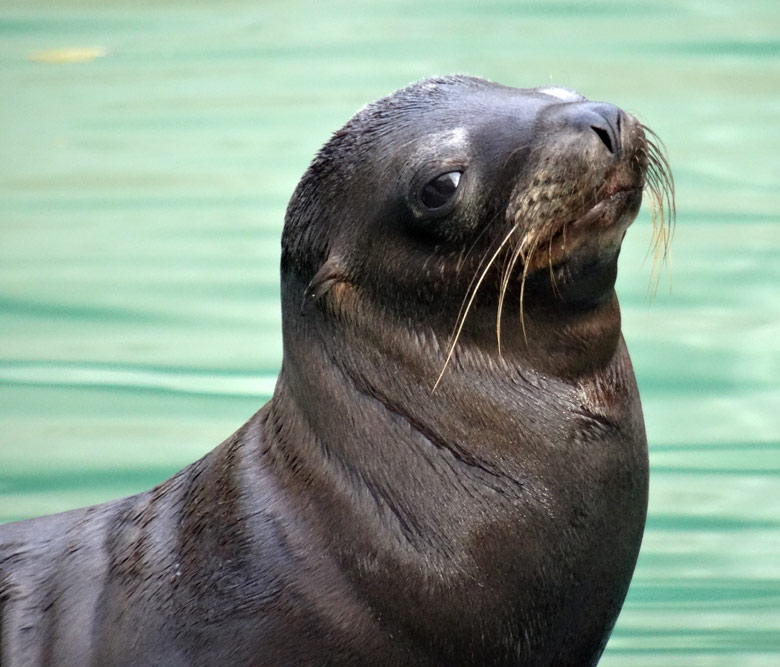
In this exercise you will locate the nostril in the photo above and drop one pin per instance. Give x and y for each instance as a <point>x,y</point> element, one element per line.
<point>604,120</point>
<point>604,136</point>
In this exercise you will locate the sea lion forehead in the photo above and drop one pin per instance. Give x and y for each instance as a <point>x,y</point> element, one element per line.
<point>453,108</point>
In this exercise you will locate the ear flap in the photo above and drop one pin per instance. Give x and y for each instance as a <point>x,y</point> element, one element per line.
<point>330,273</point>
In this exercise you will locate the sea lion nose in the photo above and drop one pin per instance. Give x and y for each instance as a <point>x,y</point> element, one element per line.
<point>607,126</point>
<point>602,119</point>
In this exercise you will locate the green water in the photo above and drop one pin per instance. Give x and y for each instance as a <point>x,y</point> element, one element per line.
<point>141,201</point>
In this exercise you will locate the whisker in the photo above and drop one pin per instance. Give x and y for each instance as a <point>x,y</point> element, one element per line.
<point>476,272</point>
<point>502,292</point>
<point>465,312</point>
<point>513,153</point>
<point>526,264</point>
<point>659,183</point>
<point>553,282</point>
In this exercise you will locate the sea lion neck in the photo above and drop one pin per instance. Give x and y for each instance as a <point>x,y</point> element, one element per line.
<point>345,350</point>
<point>381,322</point>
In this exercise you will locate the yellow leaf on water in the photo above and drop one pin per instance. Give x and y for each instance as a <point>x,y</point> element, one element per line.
<point>78,54</point>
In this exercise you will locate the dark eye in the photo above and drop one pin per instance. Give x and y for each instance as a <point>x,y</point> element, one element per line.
<point>440,190</point>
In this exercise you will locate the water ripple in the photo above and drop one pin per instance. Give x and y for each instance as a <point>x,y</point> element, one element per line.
<point>175,381</point>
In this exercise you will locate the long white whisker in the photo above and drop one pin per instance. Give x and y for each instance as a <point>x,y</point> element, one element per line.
<point>470,302</point>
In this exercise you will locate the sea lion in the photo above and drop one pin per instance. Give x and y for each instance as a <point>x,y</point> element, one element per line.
<point>453,467</point>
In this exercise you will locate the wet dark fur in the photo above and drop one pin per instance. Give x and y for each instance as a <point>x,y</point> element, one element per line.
<point>360,518</point>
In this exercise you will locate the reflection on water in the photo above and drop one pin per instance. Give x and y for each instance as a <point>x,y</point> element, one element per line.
<point>142,192</point>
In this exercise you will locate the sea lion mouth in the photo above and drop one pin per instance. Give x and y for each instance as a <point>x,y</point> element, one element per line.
<point>599,230</point>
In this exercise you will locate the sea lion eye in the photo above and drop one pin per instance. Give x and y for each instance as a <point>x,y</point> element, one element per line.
<point>440,190</point>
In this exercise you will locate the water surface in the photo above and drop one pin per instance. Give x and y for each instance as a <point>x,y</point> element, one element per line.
<point>142,192</point>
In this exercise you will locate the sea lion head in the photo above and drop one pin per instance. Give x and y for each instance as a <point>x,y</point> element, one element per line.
<point>460,205</point>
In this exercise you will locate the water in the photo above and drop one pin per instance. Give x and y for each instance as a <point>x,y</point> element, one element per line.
<point>142,194</point>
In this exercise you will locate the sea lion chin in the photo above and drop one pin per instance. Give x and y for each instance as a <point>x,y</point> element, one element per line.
<point>453,467</point>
